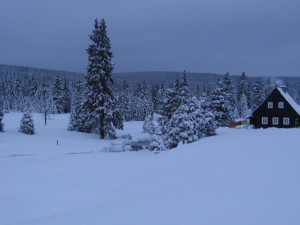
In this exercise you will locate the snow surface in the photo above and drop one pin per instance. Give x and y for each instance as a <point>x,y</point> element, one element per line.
<point>240,176</point>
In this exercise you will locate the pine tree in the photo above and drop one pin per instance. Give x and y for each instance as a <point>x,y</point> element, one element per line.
<point>148,125</point>
<point>230,96</point>
<point>57,98</point>
<point>75,117</point>
<point>43,98</point>
<point>243,89</point>
<point>66,98</point>
<point>183,126</point>
<point>141,102</point>
<point>27,125</point>
<point>208,126</point>
<point>183,89</point>
<point>98,103</point>
<point>220,106</point>
<point>171,102</point>
<point>176,96</point>
<point>243,108</point>
<point>258,93</point>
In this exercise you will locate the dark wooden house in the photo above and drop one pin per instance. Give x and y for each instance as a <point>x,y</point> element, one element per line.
<point>278,110</point>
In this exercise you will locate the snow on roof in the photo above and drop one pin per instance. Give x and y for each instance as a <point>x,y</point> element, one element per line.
<point>289,99</point>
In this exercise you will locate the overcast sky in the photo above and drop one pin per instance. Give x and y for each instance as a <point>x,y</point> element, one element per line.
<point>260,37</point>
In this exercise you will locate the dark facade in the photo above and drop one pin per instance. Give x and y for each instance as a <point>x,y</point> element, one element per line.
<point>278,110</point>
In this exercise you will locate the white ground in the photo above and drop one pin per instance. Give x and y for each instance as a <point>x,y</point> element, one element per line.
<point>237,177</point>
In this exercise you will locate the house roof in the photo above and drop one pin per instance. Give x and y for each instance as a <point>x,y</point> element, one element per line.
<point>289,99</point>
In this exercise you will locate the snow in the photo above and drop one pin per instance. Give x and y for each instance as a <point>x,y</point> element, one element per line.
<point>290,100</point>
<point>239,176</point>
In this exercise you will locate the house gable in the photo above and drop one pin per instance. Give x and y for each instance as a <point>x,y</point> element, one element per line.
<point>278,110</point>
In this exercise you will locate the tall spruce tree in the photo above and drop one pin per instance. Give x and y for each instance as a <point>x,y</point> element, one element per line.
<point>230,95</point>
<point>75,116</point>
<point>57,98</point>
<point>258,93</point>
<point>243,92</point>
<point>99,101</point>
<point>220,105</point>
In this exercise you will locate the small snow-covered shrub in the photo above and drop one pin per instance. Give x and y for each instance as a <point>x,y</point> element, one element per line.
<point>27,125</point>
<point>141,142</point>
<point>127,136</point>
<point>127,139</point>
<point>114,148</point>
<point>157,144</point>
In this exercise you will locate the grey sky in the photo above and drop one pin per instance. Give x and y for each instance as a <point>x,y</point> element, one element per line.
<point>260,37</point>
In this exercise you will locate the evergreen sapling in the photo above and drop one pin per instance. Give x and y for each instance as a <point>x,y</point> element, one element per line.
<point>27,125</point>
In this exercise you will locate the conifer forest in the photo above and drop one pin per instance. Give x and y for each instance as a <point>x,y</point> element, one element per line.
<point>99,103</point>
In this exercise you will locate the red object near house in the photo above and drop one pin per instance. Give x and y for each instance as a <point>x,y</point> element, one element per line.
<point>234,124</point>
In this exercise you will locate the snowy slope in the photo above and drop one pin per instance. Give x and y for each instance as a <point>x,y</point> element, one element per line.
<point>237,177</point>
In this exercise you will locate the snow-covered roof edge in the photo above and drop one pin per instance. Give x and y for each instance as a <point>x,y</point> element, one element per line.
<point>289,99</point>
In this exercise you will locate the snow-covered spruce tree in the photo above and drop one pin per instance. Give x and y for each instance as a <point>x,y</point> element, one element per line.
<point>66,97</point>
<point>208,127</point>
<point>220,106</point>
<point>123,97</point>
<point>183,126</point>
<point>171,102</point>
<point>184,93</point>
<point>141,104</point>
<point>230,96</point>
<point>258,93</point>
<point>99,103</point>
<point>43,100</point>
<point>243,108</point>
<point>57,98</point>
<point>27,125</point>
<point>243,89</point>
<point>148,125</point>
<point>75,116</point>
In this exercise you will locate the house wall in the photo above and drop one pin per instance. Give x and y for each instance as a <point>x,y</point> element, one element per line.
<point>264,111</point>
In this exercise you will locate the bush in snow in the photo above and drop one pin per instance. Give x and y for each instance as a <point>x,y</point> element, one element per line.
<point>27,125</point>
<point>188,124</point>
<point>148,125</point>
<point>182,126</point>
<point>157,144</point>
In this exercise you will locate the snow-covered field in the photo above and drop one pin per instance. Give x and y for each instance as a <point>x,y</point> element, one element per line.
<point>238,177</point>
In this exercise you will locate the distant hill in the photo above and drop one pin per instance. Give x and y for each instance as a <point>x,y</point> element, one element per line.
<point>156,77</point>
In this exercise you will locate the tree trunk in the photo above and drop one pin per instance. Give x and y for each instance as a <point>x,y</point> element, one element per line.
<point>102,132</point>
<point>45,117</point>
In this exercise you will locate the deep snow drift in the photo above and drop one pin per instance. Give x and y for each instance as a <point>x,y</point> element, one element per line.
<point>237,177</point>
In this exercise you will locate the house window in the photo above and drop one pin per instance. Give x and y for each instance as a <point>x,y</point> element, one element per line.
<point>264,120</point>
<point>270,105</point>
<point>286,121</point>
<point>275,120</point>
<point>280,105</point>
